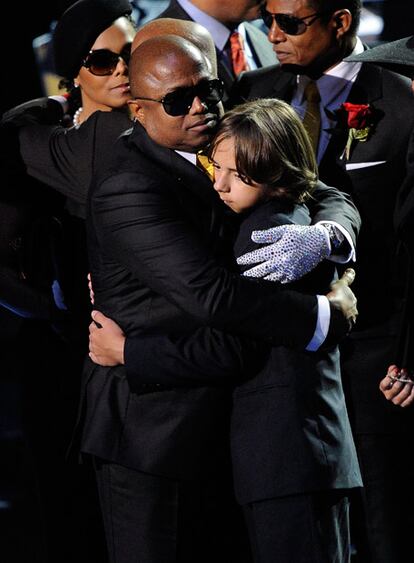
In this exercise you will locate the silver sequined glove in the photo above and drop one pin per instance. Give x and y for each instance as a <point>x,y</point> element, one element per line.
<point>292,252</point>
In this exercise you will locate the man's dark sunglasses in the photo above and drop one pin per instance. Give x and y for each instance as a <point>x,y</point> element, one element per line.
<point>291,25</point>
<point>180,101</point>
<point>103,62</point>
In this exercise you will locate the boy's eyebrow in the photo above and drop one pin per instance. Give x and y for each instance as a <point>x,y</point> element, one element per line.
<point>215,162</point>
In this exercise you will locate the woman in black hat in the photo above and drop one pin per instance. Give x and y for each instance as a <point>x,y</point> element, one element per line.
<point>91,44</point>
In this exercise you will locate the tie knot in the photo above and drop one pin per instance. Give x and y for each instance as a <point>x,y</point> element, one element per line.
<point>312,93</point>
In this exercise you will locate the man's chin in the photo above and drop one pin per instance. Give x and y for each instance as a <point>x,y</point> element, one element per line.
<point>197,143</point>
<point>294,69</point>
<point>313,71</point>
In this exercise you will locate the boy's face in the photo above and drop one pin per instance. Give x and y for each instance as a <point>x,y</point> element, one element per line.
<point>235,193</point>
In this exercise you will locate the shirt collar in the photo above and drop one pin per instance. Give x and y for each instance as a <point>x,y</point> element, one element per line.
<point>218,30</point>
<point>335,80</point>
<point>190,156</point>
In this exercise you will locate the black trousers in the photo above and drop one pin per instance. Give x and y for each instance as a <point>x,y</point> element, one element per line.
<point>311,528</point>
<point>152,519</point>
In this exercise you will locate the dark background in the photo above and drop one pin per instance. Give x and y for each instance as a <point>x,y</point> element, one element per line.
<point>21,82</point>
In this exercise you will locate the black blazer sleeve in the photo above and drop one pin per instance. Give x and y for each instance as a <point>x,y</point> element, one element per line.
<point>63,158</point>
<point>330,204</point>
<point>207,357</point>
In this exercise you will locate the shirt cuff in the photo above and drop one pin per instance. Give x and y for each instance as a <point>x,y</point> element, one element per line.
<point>347,249</point>
<point>322,324</point>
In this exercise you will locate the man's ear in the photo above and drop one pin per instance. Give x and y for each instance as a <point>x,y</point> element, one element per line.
<point>342,21</point>
<point>137,111</point>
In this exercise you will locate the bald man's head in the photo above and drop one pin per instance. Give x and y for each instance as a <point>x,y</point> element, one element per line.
<point>156,60</point>
<point>176,97</point>
<point>192,31</point>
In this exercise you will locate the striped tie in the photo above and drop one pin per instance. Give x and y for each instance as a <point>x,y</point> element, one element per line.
<point>312,119</point>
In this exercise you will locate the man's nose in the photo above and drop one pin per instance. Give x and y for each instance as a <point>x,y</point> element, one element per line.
<point>275,34</point>
<point>198,106</point>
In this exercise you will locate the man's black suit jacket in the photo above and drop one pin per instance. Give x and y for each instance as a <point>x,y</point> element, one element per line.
<point>378,176</point>
<point>290,432</point>
<point>262,49</point>
<point>157,247</point>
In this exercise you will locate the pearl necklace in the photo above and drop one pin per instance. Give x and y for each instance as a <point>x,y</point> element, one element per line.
<point>75,120</point>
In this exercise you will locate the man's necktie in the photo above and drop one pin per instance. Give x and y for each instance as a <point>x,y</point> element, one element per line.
<point>238,57</point>
<point>312,119</point>
<point>205,164</point>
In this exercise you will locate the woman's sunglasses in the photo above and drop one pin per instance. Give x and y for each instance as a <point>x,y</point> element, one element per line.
<point>291,25</point>
<point>103,62</point>
<point>180,101</point>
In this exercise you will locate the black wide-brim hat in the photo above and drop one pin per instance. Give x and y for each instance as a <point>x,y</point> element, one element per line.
<point>78,29</point>
<point>396,55</point>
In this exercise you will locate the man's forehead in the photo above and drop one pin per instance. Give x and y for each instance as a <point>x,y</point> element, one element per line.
<point>170,65</point>
<point>171,81</point>
<point>285,6</point>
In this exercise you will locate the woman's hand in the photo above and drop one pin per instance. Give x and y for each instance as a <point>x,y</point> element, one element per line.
<point>398,387</point>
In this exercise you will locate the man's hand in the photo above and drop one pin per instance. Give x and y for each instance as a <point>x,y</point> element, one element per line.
<point>106,341</point>
<point>343,298</point>
<point>344,310</point>
<point>398,387</point>
<point>294,251</point>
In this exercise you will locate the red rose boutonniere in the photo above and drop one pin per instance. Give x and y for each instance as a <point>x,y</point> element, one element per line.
<point>359,121</point>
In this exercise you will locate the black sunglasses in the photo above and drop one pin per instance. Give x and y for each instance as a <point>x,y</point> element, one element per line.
<point>103,62</point>
<point>291,25</point>
<point>180,101</point>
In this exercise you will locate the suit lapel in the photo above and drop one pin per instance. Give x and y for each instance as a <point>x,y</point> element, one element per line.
<point>284,85</point>
<point>366,90</point>
<point>368,85</point>
<point>191,185</point>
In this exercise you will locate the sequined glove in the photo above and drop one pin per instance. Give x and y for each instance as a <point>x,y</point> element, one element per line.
<point>292,252</point>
